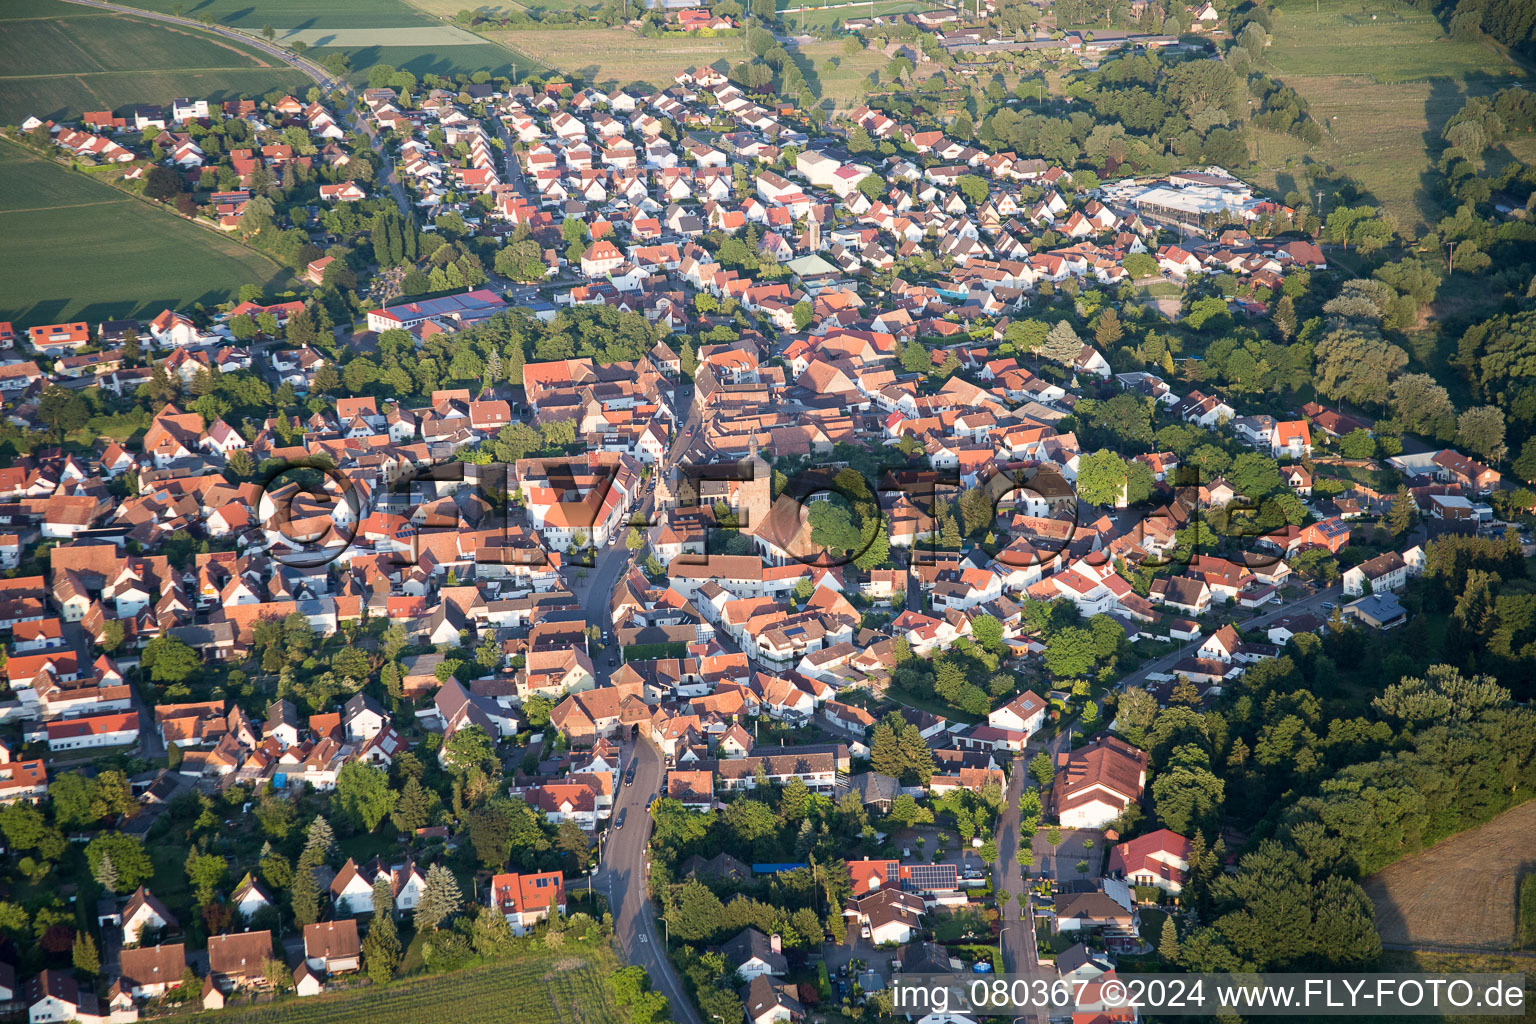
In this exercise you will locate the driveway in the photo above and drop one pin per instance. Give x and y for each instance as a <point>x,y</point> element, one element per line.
<point>856,948</point>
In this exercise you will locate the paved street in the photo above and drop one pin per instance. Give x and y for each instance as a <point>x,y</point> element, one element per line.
<point>623,877</point>
<point>1166,662</point>
<point>1019,955</point>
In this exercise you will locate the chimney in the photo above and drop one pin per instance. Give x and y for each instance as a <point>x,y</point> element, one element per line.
<point>776,943</point>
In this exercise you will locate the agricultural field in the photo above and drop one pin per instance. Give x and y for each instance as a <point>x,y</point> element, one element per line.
<point>60,60</point>
<point>1460,892</point>
<point>1382,79</point>
<point>1398,962</point>
<point>798,15</point>
<point>450,8</point>
<point>843,78</point>
<point>106,254</point>
<point>547,987</point>
<point>617,56</point>
<point>422,44</point>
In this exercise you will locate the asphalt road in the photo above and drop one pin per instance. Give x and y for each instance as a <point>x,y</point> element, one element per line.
<point>1167,661</point>
<point>622,877</point>
<point>1019,953</point>
<point>623,870</point>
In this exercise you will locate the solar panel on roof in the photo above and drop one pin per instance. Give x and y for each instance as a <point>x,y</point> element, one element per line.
<point>930,877</point>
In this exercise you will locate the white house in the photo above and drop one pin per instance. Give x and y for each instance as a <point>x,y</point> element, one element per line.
<point>351,892</point>
<point>1025,714</point>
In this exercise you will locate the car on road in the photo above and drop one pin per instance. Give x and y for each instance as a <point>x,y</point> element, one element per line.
<point>651,802</point>
<point>620,822</point>
<point>629,776</point>
<point>1329,606</point>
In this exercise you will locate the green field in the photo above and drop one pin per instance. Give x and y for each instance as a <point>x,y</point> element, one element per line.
<point>77,248</point>
<point>618,56</point>
<point>544,987</point>
<point>1383,88</point>
<point>60,60</point>
<point>841,77</point>
<point>295,19</point>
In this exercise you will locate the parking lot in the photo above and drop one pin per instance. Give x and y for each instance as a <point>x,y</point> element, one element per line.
<point>1060,862</point>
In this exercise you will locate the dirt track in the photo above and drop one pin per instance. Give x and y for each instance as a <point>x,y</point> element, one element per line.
<point>1460,892</point>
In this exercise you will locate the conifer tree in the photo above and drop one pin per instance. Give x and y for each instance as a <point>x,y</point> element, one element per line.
<point>306,895</point>
<point>106,873</point>
<point>1168,944</point>
<point>87,957</point>
<point>440,898</point>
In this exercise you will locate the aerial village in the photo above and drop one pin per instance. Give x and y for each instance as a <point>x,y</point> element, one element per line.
<point>814,517</point>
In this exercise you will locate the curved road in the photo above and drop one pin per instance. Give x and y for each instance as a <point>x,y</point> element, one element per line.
<point>319,75</point>
<point>1314,602</point>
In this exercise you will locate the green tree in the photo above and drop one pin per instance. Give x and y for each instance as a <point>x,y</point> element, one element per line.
<point>1481,430</point>
<point>1109,330</point>
<point>86,956</point>
<point>415,808</point>
<point>1062,345</point>
<point>698,915</point>
<point>974,188</point>
<point>1168,942</point>
<point>130,861</point>
<point>1403,513</point>
<point>1187,795</point>
<point>1042,769</point>
<point>305,895</point>
<point>1070,652</point>
<point>363,794</point>
<point>169,660</point>
<point>1102,478</point>
<point>206,873</point>
<point>318,843</point>
<point>381,949</point>
<point>440,898</point>
<point>988,632</point>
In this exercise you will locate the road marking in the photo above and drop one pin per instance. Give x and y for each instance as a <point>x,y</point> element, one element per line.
<point>643,937</point>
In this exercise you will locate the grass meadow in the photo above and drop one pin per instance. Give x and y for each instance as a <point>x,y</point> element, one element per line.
<point>618,56</point>
<point>1383,79</point>
<point>80,249</point>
